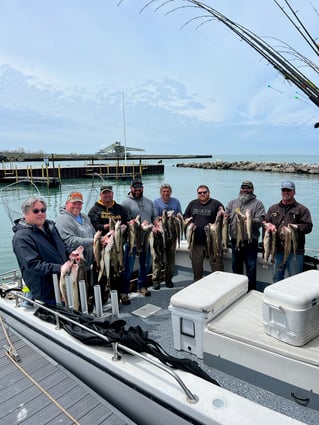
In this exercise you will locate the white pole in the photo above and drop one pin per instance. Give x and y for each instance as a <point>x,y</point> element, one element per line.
<point>124,128</point>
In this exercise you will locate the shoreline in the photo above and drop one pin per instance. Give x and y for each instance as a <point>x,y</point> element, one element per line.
<point>267,166</point>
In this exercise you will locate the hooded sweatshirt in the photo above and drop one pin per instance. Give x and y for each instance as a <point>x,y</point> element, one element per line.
<point>139,206</point>
<point>257,211</point>
<point>75,234</point>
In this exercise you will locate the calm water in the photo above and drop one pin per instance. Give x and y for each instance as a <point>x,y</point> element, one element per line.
<point>224,185</point>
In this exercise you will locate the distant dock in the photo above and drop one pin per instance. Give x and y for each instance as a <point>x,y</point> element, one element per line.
<point>51,175</point>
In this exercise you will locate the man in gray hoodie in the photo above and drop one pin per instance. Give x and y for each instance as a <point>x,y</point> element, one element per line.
<point>76,229</point>
<point>246,214</point>
<point>136,204</point>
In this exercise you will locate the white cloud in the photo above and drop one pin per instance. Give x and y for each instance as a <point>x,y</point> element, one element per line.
<point>66,66</point>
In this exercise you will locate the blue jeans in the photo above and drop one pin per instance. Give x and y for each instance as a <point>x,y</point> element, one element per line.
<point>247,255</point>
<point>293,265</point>
<point>144,267</point>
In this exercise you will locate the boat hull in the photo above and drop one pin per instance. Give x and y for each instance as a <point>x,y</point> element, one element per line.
<point>139,389</point>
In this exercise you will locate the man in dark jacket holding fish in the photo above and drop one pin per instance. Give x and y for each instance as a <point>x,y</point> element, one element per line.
<point>202,212</point>
<point>291,221</point>
<point>105,214</point>
<point>245,214</point>
<point>105,210</point>
<point>39,249</point>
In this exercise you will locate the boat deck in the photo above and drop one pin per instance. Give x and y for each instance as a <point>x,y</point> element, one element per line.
<point>155,318</point>
<point>37,390</point>
<point>159,327</point>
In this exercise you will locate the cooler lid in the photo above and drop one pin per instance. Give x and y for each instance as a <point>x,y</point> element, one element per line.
<point>211,292</point>
<point>299,291</point>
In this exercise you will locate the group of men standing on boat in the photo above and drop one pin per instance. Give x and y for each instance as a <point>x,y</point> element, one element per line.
<point>44,247</point>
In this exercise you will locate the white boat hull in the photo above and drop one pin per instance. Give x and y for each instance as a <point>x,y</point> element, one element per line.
<point>140,390</point>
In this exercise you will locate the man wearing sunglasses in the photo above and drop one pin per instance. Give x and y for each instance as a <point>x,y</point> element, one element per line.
<point>203,211</point>
<point>288,213</point>
<point>250,212</point>
<point>39,249</point>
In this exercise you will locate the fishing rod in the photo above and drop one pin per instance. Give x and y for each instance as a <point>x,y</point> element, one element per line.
<point>279,62</point>
<point>293,52</point>
<point>303,30</point>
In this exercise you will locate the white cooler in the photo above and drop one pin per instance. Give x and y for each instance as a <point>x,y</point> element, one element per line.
<point>194,306</point>
<point>291,308</point>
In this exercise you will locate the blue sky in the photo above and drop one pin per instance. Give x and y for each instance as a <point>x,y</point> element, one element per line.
<point>66,67</point>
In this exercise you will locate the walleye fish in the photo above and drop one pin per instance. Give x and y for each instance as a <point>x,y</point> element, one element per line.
<point>156,242</point>
<point>178,230</point>
<point>286,236</point>
<point>267,246</point>
<point>97,247</point>
<point>225,233</point>
<point>132,236</point>
<point>273,246</point>
<point>186,223</point>
<point>294,237</point>
<point>248,224</point>
<point>76,270</point>
<point>239,231</point>
<point>118,242</point>
<point>145,231</point>
<point>215,248</point>
<point>182,225</point>
<point>106,258</point>
<point>190,232</point>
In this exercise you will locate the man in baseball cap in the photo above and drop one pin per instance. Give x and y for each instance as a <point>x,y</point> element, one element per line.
<point>104,212</point>
<point>245,246</point>
<point>288,185</point>
<point>75,197</point>
<point>136,182</point>
<point>286,218</point>
<point>106,188</point>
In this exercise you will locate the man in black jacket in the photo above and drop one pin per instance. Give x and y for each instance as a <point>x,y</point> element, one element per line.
<point>39,249</point>
<point>203,211</point>
<point>105,209</point>
<point>286,217</point>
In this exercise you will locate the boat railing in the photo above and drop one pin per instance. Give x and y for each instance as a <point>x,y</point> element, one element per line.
<point>116,346</point>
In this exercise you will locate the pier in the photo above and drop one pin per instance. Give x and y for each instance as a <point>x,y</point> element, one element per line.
<point>53,176</point>
<point>113,167</point>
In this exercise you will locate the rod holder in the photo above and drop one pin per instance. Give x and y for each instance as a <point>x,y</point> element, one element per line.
<point>69,290</point>
<point>98,300</point>
<point>83,296</point>
<point>57,292</point>
<point>115,303</point>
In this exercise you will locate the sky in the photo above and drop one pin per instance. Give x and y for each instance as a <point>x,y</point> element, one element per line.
<point>78,75</point>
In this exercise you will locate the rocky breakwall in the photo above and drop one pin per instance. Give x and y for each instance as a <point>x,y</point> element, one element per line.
<point>274,167</point>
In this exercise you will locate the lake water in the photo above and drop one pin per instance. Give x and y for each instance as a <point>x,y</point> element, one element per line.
<point>224,186</point>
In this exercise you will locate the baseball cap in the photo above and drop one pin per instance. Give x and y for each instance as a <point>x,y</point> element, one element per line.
<point>288,185</point>
<point>137,180</point>
<point>75,197</point>
<point>106,188</point>
<point>248,184</point>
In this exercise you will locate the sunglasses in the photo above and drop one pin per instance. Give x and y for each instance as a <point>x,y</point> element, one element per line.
<point>246,187</point>
<point>37,210</point>
<point>203,192</point>
<point>286,190</point>
<point>137,186</point>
